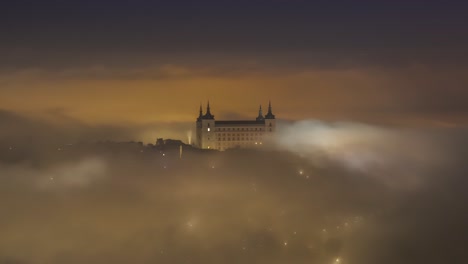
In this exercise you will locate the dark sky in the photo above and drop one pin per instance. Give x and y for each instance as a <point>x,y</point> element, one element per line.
<point>398,62</point>
<point>416,30</point>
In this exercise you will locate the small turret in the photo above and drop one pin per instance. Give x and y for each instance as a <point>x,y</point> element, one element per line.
<point>200,115</point>
<point>260,114</point>
<point>270,114</point>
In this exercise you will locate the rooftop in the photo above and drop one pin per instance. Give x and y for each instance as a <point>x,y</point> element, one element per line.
<point>239,122</point>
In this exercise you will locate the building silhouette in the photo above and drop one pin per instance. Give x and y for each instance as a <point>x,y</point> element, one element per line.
<point>228,134</point>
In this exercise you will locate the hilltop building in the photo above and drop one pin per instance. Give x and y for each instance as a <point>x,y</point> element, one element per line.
<point>227,134</point>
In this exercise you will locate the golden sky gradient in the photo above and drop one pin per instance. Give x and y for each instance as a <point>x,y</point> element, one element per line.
<point>171,93</point>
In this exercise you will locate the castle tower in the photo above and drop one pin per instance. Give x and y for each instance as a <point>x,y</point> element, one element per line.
<point>206,129</point>
<point>270,120</point>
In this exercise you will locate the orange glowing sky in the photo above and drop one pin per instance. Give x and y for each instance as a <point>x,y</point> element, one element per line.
<point>355,94</point>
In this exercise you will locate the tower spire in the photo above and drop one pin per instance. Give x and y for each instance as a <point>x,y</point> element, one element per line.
<point>200,115</point>
<point>208,108</point>
<point>270,114</point>
<point>208,114</point>
<point>260,114</point>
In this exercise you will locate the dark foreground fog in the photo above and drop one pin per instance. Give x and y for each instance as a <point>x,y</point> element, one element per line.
<point>339,193</point>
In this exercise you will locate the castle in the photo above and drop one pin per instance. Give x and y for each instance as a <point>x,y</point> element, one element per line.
<point>226,134</point>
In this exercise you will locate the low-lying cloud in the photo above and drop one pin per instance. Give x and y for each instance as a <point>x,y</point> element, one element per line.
<point>327,195</point>
<point>372,150</point>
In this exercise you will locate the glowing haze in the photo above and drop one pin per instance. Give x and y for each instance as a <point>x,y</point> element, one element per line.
<point>326,193</point>
<point>368,164</point>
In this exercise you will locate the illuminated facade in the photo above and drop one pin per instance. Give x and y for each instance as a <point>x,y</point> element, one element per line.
<point>227,134</point>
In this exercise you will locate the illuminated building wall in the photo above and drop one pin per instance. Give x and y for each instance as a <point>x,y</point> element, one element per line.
<point>227,134</point>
